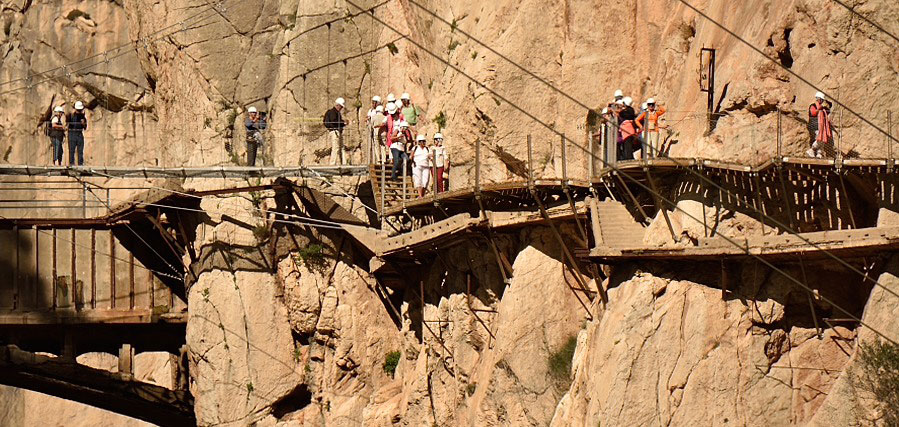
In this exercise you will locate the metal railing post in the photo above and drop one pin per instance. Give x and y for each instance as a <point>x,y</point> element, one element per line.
<point>434,174</point>
<point>591,160</point>
<point>403,177</point>
<point>890,161</point>
<point>530,163</point>
<point>477,166</point>
<point>564,159</point>
<point>779,136</point>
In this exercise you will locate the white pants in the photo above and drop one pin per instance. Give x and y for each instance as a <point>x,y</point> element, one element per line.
<point>654,143</point>
<point>338,155</point>
<point>421,176</point>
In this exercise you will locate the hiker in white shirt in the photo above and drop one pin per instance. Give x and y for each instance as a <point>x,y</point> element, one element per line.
<point>421,169</point>
<point>441,161</point>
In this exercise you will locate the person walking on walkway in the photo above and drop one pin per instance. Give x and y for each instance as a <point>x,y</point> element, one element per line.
<point>57,132</point>
<point>396,139</point>
<point>378,125</point>
<point>255,124</point>
<point>627,130</point>
<point>409,110</point>
<point>441,161</point>
<point>77,125</point>
<point>421,169</point>
<point>649,121</point>
<point>335,123</point>
<point>820,126</point>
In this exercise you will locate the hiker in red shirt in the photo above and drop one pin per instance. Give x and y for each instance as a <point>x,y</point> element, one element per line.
<point>819,126</point>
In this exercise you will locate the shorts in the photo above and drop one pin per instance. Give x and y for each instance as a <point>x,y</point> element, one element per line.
<point>421,176</point>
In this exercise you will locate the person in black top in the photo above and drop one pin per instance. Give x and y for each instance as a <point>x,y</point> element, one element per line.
<point>335,123</point>
<point>77,124</point>
<point>255,124</point>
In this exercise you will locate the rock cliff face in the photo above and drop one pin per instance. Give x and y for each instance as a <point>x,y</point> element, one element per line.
<point>300,334</point>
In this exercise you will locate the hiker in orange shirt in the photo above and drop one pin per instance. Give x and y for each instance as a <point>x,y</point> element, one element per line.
<point>649,120</point>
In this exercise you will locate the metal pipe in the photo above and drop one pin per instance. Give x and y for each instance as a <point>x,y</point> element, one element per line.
<point>779,135</point>
<point>530,163</point>
<point>564,159</point>
<point>890,160</point>
<point>403,177</point>
<point>477,166</point>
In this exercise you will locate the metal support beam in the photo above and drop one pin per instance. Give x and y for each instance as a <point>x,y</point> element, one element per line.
<point>632,197</point>
<point>475,312</point>
<point>658,202</point>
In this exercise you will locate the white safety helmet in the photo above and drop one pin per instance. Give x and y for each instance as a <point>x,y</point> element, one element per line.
<point>438,135</point>
<point>651,101</point>
<point>619,93</point>
<point>405,97</point>
<point>628,101</point>
<point>340,102</point>
<point>421,138</point>
<point>376,98</point>
<point>605,110</point>
<point>820,95</point>
<point>404,124</point>
<point>619,102</point>
<point>391,98</point>
<point>59,109</point>
<point>251,110</point>
<point>391,107</point>
<point>644,106</point>
<point>379,109</point>
<point>79,105</point>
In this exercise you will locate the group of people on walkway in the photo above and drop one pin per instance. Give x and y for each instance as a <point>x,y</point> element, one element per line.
<point>631,125</point>
<point>392,126</point>
<point>62,126</point>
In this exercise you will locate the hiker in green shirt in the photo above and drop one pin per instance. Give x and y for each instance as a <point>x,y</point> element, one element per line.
<point>410,111</point>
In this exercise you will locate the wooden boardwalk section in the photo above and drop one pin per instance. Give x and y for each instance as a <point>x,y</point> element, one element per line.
<point>183,172</point>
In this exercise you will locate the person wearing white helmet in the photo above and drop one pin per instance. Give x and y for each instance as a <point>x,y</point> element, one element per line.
<point>255,124</point>
<point>441,161</point>
<point>820,126</point>
<point>648,121</point>
<point>410,111</point>
<point>391,98</point>
<point>396,139</point>
<point>56,130</point>
<point>421,165</point>
<point>370,118</point>
<point>627,129</point>
<point>619,94</point>
<point>77,124</point>
<point>378,128</point>
<point>335,122</point>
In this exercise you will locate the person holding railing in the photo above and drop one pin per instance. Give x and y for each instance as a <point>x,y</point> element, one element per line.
<point>56,130</point>
<point>819,126</point>
<point>335,123</point>
<point>395,139</point>
<point>649,121</point>
<point>409,110</point>
<point>255,124</point>
<point>77,124</point>
<point>421,165</point>
<point>441,161</point>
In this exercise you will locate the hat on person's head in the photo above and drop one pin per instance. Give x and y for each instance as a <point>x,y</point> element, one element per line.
<point>79,105</point>
<point>405,96</point>
<point>59,109</point>
<point>251,110</point>
<point>379,109</point>
<point>605,110</point>
<point>404,124</point>
<point>820,95</point>
<point>391,98</point>
<point>438,135</point>
<point>376,98</point>
<point>628,101</point>
<point>391,107</point>
<point>651,101</point>
<point>619,93</point>
<point>421,138</point>
<point>645,105</point>
<point>619,102</point>
<point>340,102</point>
